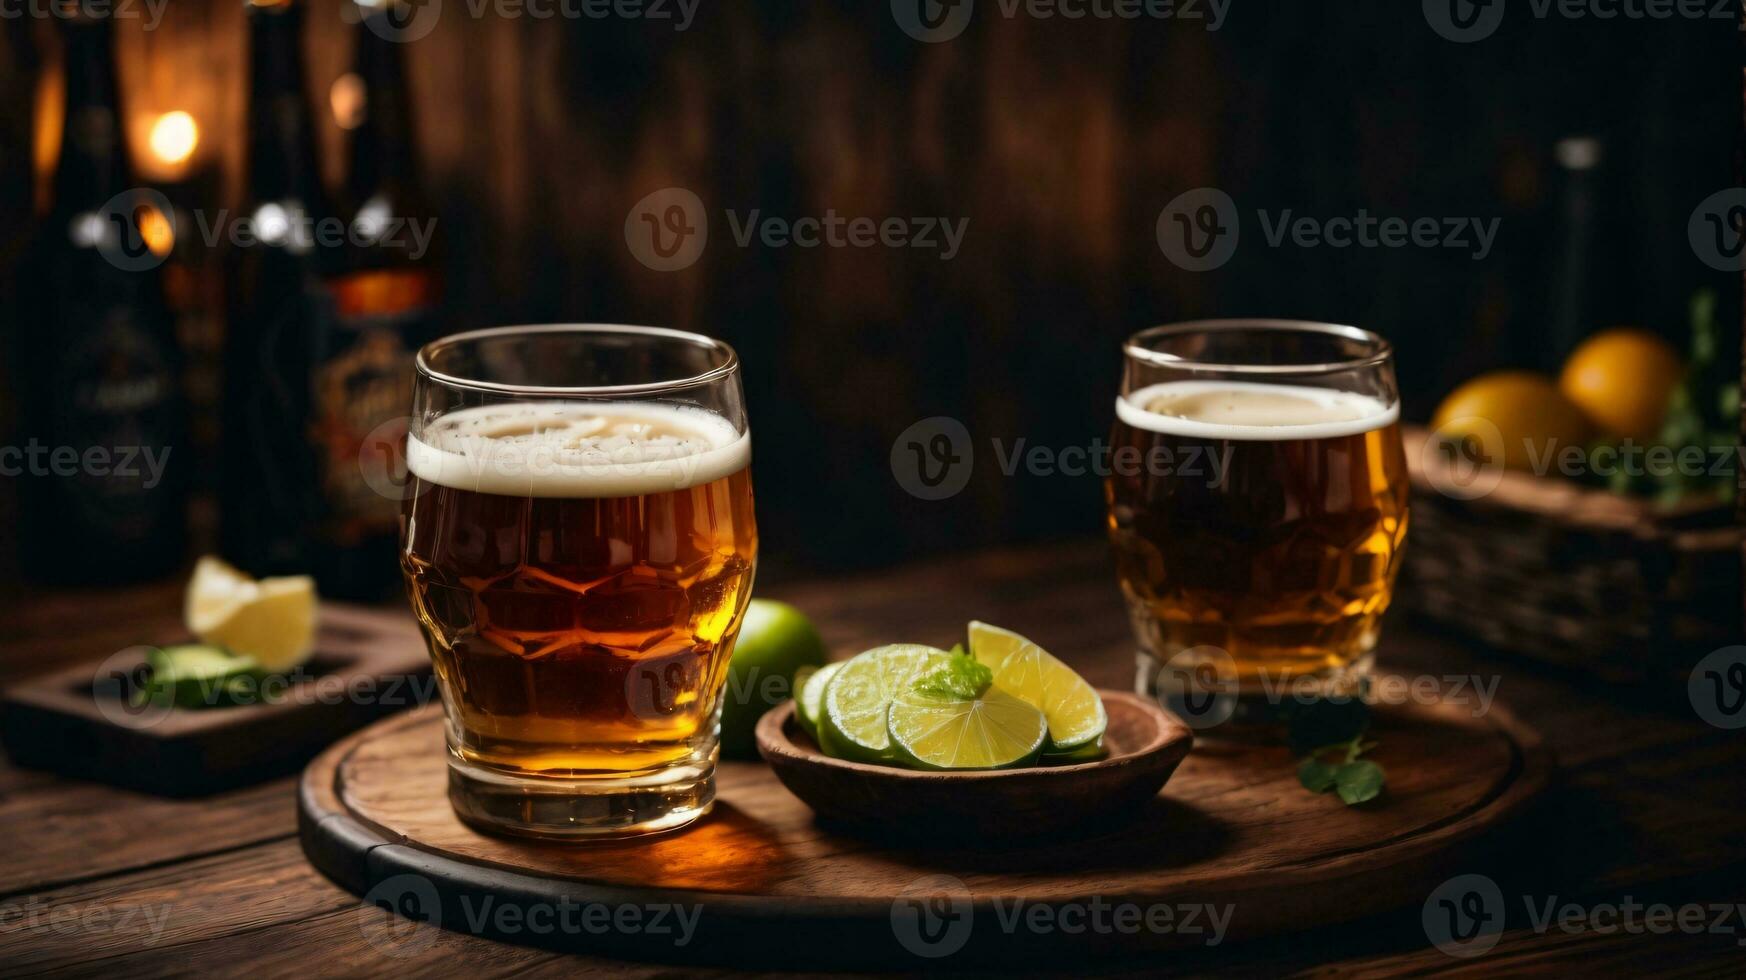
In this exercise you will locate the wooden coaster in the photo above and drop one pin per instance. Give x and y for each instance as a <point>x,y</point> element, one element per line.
<point>761,881</point>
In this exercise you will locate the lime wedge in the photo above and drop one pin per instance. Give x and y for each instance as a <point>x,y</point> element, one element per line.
<point>193,675</point>
<point>806,706</point>
<point>1025,670</point>
<point>853,714</point>
<point>993,731</point>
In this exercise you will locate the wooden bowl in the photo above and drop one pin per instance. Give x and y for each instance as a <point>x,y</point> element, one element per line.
<point>1144,744</point>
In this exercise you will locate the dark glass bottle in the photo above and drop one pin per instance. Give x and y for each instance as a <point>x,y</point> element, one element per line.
<point>103,474</point>
<point>277,311</point>
<point>1575,307</point>
<point>383,295</point>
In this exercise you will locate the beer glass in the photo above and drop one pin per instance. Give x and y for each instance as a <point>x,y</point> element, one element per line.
<point>1257,504</point>
<point>578,546</point>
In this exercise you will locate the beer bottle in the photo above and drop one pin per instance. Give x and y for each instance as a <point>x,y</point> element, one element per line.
<point>383,299</point>
<point>102,467</point>
<point>276,311</point>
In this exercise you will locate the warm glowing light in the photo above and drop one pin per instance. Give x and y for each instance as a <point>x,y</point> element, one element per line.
<point>156,230</point>
<point>347,98</point>
<point>174,137</point>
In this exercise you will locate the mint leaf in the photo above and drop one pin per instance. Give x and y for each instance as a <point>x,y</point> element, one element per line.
<point>1358,782</point>
<point>961,679</point>
<point>1315,775</point>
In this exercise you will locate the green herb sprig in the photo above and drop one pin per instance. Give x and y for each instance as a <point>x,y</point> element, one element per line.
<point>1355,780</point>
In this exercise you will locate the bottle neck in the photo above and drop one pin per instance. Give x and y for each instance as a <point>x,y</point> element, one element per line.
<point>382,157</point>
<point>281,146</point>
<point>93,164</point>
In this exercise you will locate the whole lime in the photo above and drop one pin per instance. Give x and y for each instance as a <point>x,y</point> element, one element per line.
<point>775,640</point>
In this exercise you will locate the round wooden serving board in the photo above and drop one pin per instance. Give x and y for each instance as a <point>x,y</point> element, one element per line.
<point>761,881</point>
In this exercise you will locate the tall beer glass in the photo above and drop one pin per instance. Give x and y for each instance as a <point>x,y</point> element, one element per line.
<point>578,546</point>
<point>1259,514</point>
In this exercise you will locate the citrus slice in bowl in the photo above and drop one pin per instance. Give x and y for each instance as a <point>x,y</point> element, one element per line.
<point>272,620</point>
<point>806,707</point>
<point>1021,668</point>
<point>852,716</point>
<point>994,730</point>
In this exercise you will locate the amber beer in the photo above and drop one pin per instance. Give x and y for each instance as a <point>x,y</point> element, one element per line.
<point>580,569</point>
<point>1257,529</point>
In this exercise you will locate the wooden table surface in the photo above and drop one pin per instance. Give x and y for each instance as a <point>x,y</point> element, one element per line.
<point>1646,809</point>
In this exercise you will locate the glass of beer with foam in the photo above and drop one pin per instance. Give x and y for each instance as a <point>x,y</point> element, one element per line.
<point>578,546</point>
<point>1257,504</point>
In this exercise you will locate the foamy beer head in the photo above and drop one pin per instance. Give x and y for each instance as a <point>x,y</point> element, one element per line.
<point>577,450</point>
<point>1249,411</point>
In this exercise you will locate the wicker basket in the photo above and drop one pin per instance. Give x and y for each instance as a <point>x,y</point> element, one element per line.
<point>1575,576</point>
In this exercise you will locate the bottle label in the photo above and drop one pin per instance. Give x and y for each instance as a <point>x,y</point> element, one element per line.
<point>362,394</point>
<point>115,409</point>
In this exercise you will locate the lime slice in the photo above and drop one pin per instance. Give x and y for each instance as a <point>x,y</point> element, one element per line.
<point>1021,668</point>
<point>830,746</point>
<point>1088,752</point>
<point>272,620</point>
<point>806,707</point>
<point>193,675</point>
<point>993,731</point>
<point>852,716</point>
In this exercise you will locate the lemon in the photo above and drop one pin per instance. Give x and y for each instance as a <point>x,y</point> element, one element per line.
<point>994,730</point>
<point>272,620</point>
<point>1517,417</point>
<point>1621,379</point>
<point>854,714</point>
<point>212,591</point>
<point>1021,668</point>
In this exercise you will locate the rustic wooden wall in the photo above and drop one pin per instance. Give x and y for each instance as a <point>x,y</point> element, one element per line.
<point>1059,141</point>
